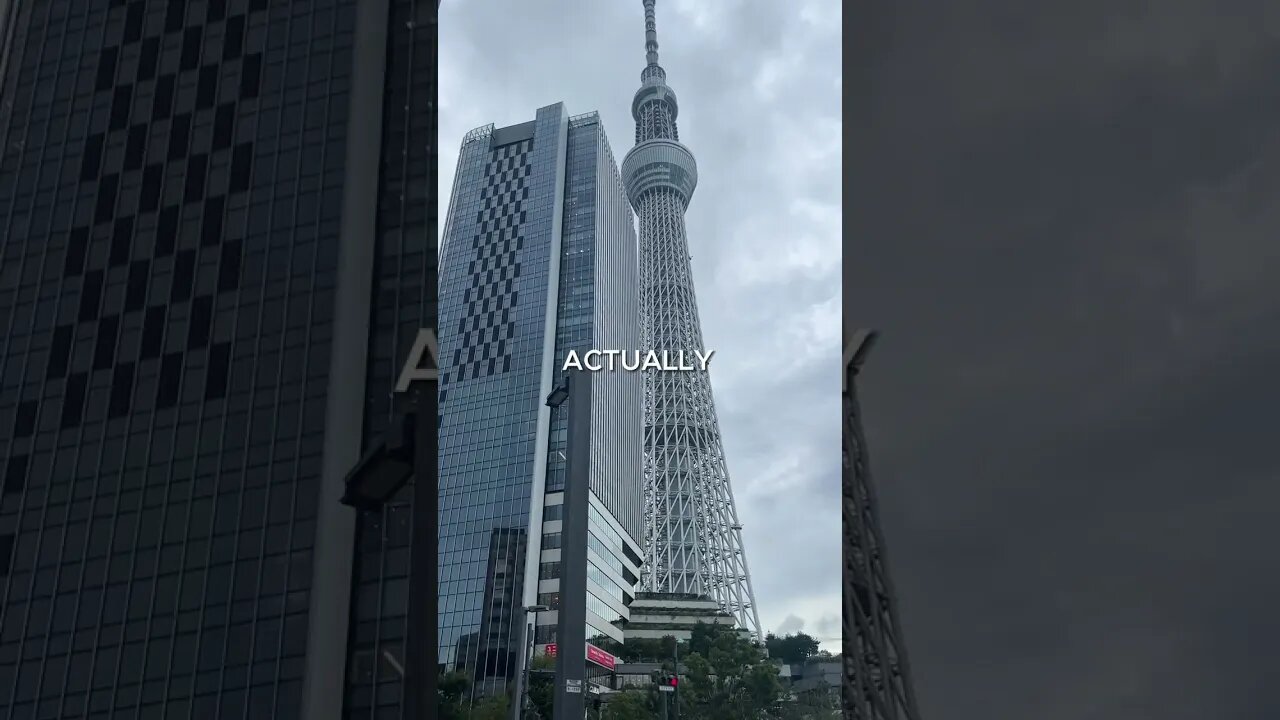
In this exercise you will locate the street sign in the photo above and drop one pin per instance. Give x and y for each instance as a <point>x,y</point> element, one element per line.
<point>572,686</point>
<point>666,688</point>
<point>600,657</point>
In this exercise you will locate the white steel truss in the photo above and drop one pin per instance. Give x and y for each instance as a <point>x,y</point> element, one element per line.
<point>693,538</point>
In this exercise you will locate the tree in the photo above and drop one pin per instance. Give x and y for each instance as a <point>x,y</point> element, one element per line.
<point>816,704</point>
<point>452,687</point>
<point>541,687</point>
<point>791,649</point>
<point>727,677</point>
<point>494,707</point>
<point>630,704</point>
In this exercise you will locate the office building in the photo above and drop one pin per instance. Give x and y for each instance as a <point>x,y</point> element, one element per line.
<point>693,538</point>
<point>539,259</point>
<point>877,674</point>
<point>191,317</point>
<point>658,615</point>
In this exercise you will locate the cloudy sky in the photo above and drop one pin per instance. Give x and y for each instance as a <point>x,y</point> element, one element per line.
<point>1066,223</point>
<point>760,108</point>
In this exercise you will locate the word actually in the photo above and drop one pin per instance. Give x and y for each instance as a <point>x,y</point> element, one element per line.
<point>632,360</point>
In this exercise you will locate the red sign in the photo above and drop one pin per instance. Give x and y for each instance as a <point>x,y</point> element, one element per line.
<point>600,657</point>
<point>551,649</point>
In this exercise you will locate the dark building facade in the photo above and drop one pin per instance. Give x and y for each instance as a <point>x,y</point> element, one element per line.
<point>206,260</point>
<point>539,259</point>
<point>877,675</point>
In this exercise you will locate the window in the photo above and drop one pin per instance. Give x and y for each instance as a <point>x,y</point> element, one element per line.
<point>149,58</point>
<point>211,231</point>
<point>191,39</point>
<point>241,159</point>
<point>184,270</point>
<point>15,474</point>
<point>104,349</point>
<point>162,104</point>
<point>229,270</point>
<point>170,375</point>
<point>106,69</point>
<point>90,295</point>
<point>108,187</point>
<point>197,166</point>
<point>201,319</point>
<point>219,360</point>
<point>166,231</point>
<point>152,332</point>
<point>136,286</point>
<point>233,42</point>
<point>121,239</point>
<point>121,101</point>
<point>223,120</point>
<point>73,403</point>
<point>121,390</point>
<point>179,136</point>
<point>250,75</point>
<point>91,163</point>
<point>59,352</point>
<point>207,87</point>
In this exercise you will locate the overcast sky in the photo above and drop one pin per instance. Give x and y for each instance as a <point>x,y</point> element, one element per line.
<point>759,88</point>
<point>1065,219</point>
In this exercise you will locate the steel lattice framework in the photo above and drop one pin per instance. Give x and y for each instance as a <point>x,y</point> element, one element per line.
<point>877,682</point>
<point>692,534</point>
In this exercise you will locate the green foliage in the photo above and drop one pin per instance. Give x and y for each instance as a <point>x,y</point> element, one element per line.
<point>541,687</point>
<point>494,707</point>
<point>452,688</point>
<point>727,677</point>
<point>791,649</point>
<point>816,704</point>
<point>629,705</point>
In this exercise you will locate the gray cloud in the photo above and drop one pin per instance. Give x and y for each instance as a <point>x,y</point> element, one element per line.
<point>759,102</point>
<point>1064,222</point>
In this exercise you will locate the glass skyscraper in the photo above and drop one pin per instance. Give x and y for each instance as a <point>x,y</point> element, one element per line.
<point>539,259</point>
<point>208,265</point>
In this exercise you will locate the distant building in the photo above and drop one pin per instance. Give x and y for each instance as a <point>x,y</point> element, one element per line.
<point>539,259</point>
<point>816,674</point>
<point>658,615</point>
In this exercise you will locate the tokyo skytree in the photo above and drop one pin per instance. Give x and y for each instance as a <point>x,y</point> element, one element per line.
<point>693,538</point>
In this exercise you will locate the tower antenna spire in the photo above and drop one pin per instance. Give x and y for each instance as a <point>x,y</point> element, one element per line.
<point>650,34</point>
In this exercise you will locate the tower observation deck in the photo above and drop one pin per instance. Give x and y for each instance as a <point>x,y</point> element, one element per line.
<point>693,538</point>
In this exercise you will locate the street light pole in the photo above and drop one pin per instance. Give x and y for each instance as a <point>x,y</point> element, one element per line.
<point>532,626</point>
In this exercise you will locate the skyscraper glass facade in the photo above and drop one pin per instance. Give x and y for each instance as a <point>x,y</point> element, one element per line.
<point>539,258</point>
<point>172,190</point>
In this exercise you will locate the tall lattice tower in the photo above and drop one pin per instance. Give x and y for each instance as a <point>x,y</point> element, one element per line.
<point>692,534</point>
<point>877,682</point>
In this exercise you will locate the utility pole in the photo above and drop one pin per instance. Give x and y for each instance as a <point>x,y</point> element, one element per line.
<point>409,451</point>
<point>675,693</point>
<point>531,626</point>
<point>571,621</point>
<point>422,657</point>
